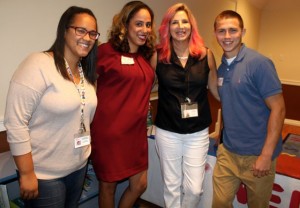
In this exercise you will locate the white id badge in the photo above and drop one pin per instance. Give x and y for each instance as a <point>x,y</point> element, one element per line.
<point>189,110</point>
<point>220,81</point>
<point>82,139</point>
<point>127,60</point>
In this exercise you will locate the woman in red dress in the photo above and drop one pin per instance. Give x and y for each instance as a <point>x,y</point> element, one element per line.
<point>119,137</point>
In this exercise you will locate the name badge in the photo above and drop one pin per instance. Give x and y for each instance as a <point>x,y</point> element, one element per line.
<point>82,139</point>
<point>189,110</point>
<point>127,60</point>
<point>220,81</point>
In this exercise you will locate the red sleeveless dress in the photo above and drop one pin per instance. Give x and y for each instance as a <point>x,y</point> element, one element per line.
<point>118,131</point>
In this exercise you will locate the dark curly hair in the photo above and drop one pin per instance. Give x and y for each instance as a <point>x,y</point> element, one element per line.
<point>118,33</point>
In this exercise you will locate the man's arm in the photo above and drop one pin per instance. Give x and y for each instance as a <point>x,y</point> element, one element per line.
<point>275,123</point>
<point>212,76</point>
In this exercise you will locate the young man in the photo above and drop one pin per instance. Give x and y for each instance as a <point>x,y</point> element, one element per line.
<point>253,114</point>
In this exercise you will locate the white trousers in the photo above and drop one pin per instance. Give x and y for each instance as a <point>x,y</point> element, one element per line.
<point>182,159</point>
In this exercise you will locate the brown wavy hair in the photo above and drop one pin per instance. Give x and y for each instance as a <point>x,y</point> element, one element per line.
<point>118,32</point>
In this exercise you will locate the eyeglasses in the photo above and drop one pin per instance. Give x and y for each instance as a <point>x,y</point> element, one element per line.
<point>80,31</point>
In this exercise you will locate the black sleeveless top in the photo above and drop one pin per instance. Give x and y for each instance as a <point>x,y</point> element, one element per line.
<point>175,83</point>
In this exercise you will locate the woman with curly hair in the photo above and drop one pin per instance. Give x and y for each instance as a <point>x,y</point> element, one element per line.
<point>119,136</point>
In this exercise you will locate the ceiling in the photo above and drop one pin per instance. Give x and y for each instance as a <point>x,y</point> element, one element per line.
<point>275,4</point>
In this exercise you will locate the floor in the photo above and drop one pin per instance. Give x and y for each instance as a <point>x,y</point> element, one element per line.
<point>140,203</point>
<point>93,203</point>
<point>290,129</point>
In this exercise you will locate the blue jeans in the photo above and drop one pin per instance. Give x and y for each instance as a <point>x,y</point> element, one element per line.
<point>59,193</point>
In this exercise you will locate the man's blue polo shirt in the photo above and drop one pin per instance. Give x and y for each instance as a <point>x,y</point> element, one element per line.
<point>243,85</point>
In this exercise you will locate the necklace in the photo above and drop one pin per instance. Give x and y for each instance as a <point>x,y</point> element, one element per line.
<point>183,57</point>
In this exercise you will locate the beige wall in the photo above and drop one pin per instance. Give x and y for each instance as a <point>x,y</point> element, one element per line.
<point>28,26</point>
<point>275,33</point>
<point>252,20</point>
<point>205,13</point>
<point>280,40</point>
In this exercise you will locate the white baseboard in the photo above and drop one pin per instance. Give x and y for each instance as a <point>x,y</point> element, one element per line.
<point>292,122</point>
<point>290,82</point>
<point>2,128</point>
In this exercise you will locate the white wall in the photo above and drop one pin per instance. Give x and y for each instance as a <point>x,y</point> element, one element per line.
<point>28,26</point>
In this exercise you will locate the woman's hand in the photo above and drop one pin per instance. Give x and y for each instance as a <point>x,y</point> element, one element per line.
<point>28,180</point>
<point>28,186</point>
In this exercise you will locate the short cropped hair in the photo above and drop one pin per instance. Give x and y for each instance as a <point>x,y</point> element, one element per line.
<point>229,14</point>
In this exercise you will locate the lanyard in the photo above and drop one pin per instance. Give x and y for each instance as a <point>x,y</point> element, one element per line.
<point>187,82</point>
<point>81,91</point>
